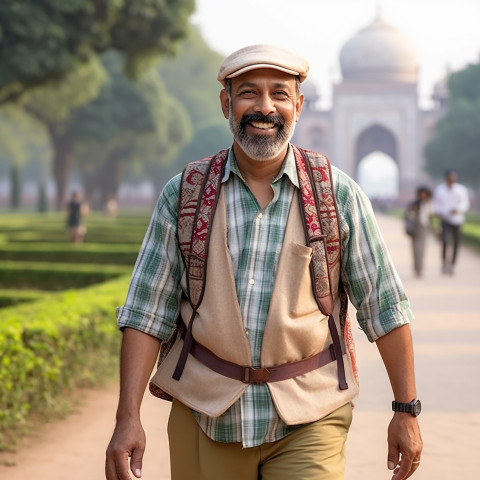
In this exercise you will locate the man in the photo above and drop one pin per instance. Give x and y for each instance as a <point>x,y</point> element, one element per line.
<point>451,202</point>
<point>258,311</point>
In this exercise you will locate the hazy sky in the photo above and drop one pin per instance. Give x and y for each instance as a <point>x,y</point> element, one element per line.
<point>445,32</point>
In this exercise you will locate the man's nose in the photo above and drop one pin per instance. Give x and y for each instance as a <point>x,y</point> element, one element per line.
<point>265,105</point>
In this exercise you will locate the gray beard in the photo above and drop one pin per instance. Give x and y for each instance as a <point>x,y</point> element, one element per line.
<point>261,147</point>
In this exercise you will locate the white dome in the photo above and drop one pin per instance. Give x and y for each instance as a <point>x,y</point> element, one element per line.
<point>379,53</point>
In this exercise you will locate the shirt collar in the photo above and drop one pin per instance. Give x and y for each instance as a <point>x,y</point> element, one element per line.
<point>288,168</point>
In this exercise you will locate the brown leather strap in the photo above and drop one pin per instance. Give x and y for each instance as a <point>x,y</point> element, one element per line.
<point>337,348</point>
<point>250,375</point>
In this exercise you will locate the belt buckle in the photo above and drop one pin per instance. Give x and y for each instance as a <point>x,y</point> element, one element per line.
<point>255,375</point>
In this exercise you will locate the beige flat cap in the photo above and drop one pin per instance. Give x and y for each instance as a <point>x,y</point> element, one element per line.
<point>262,56</point>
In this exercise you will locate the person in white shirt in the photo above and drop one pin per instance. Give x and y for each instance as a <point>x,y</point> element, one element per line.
<point>451,202</point>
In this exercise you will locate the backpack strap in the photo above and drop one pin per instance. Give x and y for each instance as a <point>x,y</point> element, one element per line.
<point>323,237</point>
<point>200,185</point>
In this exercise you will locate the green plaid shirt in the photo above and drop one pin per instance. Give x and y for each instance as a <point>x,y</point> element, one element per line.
<point>255,240</point>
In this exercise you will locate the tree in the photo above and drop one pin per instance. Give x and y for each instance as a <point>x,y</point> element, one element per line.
<point>52,107</point>
<point>22,142</point>
<point>54,44</point>
<point>43,40</point>
<point>128,123</point>
<point>456,143</point>
<point>191,78</point>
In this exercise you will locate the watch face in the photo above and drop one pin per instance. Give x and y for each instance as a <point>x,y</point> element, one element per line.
<point>416,408</point>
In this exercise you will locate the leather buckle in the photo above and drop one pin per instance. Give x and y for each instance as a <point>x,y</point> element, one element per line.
<point>255,375</point>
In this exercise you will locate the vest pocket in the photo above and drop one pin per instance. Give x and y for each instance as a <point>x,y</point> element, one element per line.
<point>300,299</point>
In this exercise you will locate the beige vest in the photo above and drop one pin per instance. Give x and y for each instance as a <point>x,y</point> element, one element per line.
<point>295,329</point>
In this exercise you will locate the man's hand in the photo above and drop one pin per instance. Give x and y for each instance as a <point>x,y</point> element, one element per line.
<point>404,445</point>
<point>128,440</point>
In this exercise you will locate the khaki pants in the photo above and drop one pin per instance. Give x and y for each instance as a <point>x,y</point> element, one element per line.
<point>316,451</point>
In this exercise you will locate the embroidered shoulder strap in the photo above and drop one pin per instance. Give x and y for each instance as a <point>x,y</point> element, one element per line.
<point>321,224</point>
<point>200,185</point>
<point>323,236</point>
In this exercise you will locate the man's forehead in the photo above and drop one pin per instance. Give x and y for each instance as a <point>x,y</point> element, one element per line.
<point>263,77</point>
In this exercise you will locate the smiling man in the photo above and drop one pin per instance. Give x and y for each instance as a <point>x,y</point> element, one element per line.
<point>257,356</point>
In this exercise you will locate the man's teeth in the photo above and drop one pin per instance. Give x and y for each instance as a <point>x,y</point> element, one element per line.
<point>262,125</point>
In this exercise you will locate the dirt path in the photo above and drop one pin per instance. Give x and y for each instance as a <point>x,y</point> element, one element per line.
<point>74,448</point>
<point>447,343</point>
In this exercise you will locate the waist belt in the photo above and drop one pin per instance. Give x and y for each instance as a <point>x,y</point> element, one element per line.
<point>247,374</point>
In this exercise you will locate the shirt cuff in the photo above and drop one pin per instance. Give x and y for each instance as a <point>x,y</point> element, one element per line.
<point>396,316</point>
<point>144,322</point>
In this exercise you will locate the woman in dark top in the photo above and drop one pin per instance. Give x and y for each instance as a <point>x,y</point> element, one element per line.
<point>76,228</point>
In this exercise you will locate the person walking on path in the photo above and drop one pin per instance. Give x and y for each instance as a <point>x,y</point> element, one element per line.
<point>451,202</point>
<point>418,215</point>
<point>75,212</point>
<point>262,379</point>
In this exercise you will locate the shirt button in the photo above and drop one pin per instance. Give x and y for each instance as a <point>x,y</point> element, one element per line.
<point>251,281</point>
<point>247,331</point>
<point>260,215</point>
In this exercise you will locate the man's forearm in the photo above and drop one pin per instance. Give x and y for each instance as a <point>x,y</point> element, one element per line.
<point>138,356</point>
<point>397,353</point>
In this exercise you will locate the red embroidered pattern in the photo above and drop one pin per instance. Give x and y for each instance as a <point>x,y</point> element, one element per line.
<point>193,234</point>
<point>326,272</point>
<point>329,265</point>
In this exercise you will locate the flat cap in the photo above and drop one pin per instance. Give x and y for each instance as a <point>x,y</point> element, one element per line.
<point>262,56</point>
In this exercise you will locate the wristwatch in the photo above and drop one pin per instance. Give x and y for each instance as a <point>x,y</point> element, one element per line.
<point>414,407</point>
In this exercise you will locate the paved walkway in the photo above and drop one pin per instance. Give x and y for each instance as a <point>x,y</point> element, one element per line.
<point>446,334</point>
<point>447,344</point>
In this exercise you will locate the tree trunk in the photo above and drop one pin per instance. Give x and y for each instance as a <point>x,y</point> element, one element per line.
<point>111,174</point>
<point>15,187</point>
<point>62,162</point>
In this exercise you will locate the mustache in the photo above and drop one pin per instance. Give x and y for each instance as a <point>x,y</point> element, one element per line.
<point>277,120</point>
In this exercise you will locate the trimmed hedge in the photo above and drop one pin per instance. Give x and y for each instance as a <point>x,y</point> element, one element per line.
<point>51,227</point>
<point>56,276</point>
<point>51,342</point>
<point>70,253</point>
<point>61,342</point>
<point>14,297</point>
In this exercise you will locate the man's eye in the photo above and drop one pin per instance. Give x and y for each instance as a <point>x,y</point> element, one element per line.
<point>280,94</point>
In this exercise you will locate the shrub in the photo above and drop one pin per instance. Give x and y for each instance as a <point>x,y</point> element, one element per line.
<point>70,253</point>
<point>56,276</point>
<point>65,341</point>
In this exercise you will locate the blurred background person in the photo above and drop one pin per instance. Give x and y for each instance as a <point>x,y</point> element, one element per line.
<point>76,209</point>
<point>450,202</point>
<point>418,216</point>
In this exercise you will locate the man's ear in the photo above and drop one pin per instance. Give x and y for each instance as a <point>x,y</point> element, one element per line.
<point>225,103</point>
<point>299,104</point>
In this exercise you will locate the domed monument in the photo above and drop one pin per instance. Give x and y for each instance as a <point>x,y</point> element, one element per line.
<point>379,53</point>
<point>374,107</point>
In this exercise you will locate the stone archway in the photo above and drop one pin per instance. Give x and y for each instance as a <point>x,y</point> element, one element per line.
<point>377,146</point>
<point>375,139</point>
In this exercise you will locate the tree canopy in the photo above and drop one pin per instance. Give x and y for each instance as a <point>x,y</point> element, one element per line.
<point>42,40</point>
<point>456,143</point>
<point>191,77</point>
<point>130,124</point>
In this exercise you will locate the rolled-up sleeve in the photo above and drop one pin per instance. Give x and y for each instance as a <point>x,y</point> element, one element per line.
<point>368,273</point>
<point>153,299</point>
